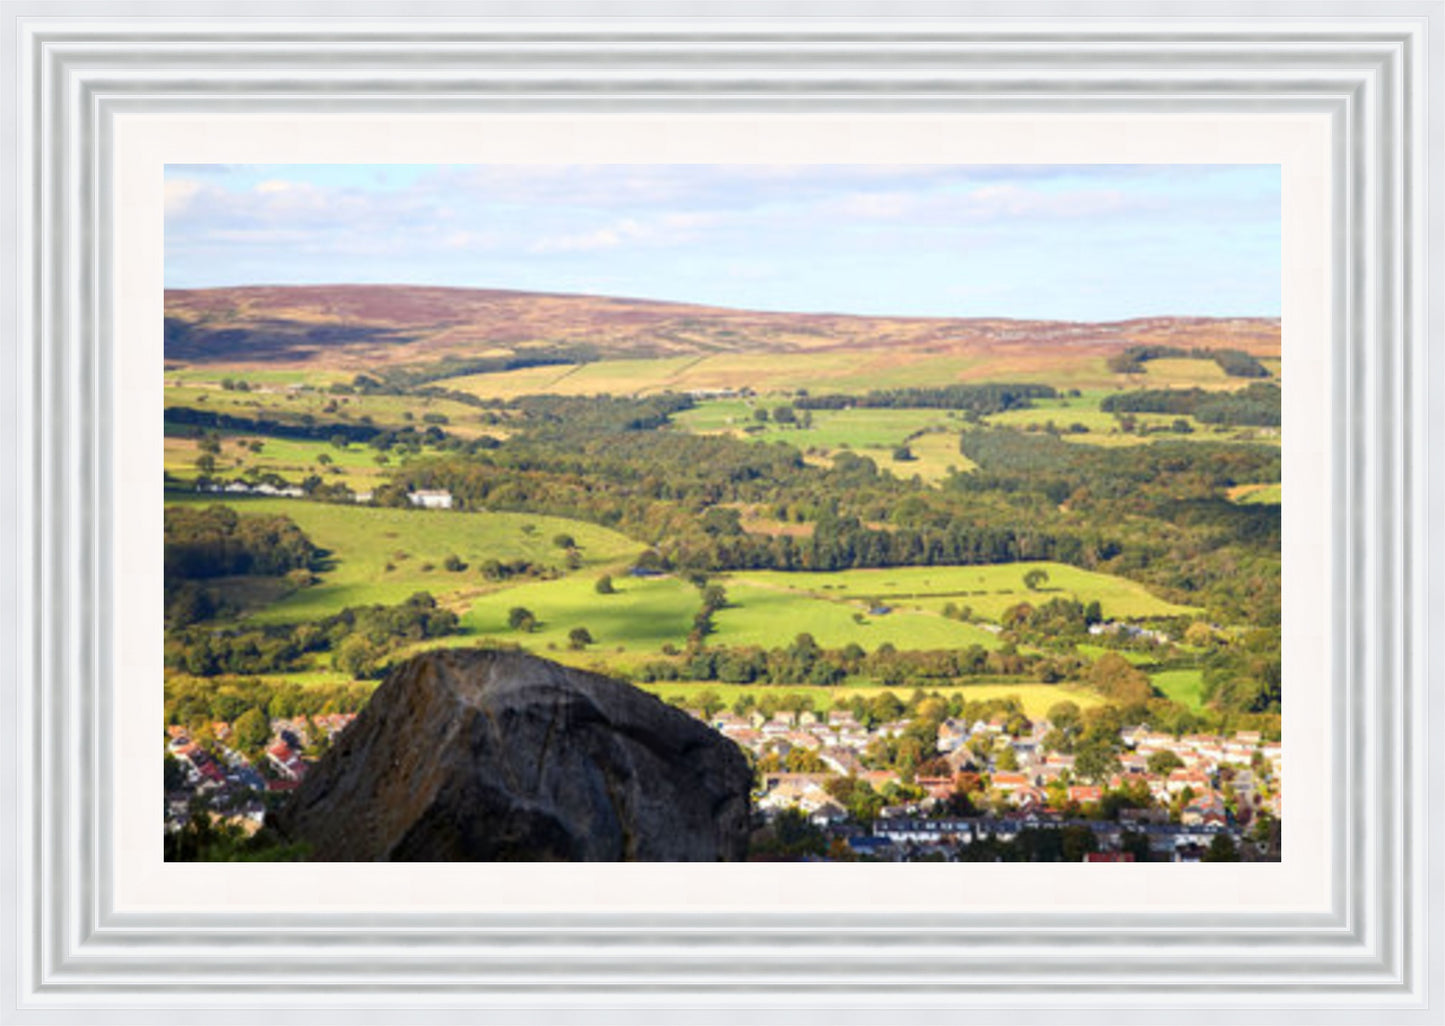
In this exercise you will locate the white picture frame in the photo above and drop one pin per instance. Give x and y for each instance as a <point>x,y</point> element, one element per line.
<point>1368,73</point>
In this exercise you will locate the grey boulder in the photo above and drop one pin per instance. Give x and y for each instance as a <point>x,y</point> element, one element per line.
<point>472,755</point>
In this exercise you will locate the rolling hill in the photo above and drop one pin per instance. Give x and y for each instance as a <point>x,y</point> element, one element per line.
<point>353,328</point>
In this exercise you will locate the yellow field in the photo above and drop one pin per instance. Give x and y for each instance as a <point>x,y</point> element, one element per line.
<point>1035,698</point>
<point>937,456</point>
<point>846,371</point>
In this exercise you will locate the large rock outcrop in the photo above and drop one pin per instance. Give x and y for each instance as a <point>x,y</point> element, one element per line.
<point>470,755</point>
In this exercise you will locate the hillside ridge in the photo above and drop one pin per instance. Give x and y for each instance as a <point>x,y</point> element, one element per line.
<point>354,326</point>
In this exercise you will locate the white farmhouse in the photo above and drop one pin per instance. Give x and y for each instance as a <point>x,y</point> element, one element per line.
<point>431,498</point>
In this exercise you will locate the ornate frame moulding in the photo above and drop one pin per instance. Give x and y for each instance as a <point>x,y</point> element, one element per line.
<point>1370,72</point>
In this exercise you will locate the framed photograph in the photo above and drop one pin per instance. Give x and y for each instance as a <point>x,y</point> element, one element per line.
<point>760,508</point>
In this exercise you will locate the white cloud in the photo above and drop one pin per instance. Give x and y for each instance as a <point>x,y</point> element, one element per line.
<point>670,229</point>
<point>877,204</point>
<point>179,193</point>
<point>1018,201</point>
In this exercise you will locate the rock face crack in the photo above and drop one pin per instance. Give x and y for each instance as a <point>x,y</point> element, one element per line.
<point>466,755</point>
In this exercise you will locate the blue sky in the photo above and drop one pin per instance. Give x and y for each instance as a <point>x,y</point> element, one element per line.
<point>1090,242</point>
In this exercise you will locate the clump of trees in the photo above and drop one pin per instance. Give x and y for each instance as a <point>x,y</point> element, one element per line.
<point>206,837</point>
<point>362,640</point>
<point>202,544</point>
<point>806,662</point>
<point>195,703</point>
<point>1234,362</point>
<point>216,541</point>
<point>1119,680</point>
<point>1258,405</point>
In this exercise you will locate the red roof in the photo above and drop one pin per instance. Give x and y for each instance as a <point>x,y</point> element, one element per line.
<point>1109,856</point>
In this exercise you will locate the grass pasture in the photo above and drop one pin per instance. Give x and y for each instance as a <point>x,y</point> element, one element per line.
<point>1186,373</point>
<point>625,377</point>
<point>387,411</point>
<point>211,376</point>
<point>1256,494</point>
<point>988,589</point>
<point>877,433</point>
<point>858,429</point>
<point>1103,428</point>
<point>776,374</point>
<point>1182,686</point>
<point>770,616</point>
<point>874,433</point>
<point>633,624</point>
<point>1095,651</point>
<point>511,384</point>
<point>294,459</point>
<point>935,457</point>
<point>365,540</point>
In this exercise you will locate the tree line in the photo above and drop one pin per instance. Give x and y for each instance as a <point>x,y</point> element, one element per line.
<point>976,399</point>
<point>1257,405</point>
<point>361,639</point>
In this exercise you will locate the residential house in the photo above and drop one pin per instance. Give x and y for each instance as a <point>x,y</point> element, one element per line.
<point>1008,782</point>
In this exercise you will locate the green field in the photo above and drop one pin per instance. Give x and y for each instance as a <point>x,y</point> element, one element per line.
<point>850,371</point>
<point>209,376</point>
<point>859,429</point>
<point>768,609</point>
<point>355,466</point>
<point>643,615</point>
<point>389,411</point>
<point>365,540</point>
<point>1065,412</point>
<point>874,433</point>
<point>647,613</point>
<point>1257,495</point>
<point>831,429</point>
<point>770,615</point>
<point>776,374</point>
<point>1183,686</point>
<point>1095,651</point>
<point>987,589</point>
<point>765,608</point>
<point>935,457</point>
<point>877,433</point>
